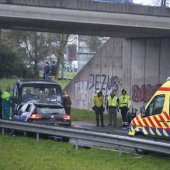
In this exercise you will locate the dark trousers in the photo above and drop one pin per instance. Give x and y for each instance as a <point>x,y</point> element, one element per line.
<point>99,115</point>
<point>112,116</point>
<point>124,111</point>
<point>68,110</point>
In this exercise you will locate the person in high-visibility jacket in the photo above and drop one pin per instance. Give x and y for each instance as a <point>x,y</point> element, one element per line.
<point>124,105</point>
<point>0,103</point>
<point>6,104</point>
<point>98,102</point>
<point>112,107</point>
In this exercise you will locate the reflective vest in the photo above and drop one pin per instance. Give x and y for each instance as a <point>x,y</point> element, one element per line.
<point>5,95</point>
<point>112,101</point>
<point>98,101</point>
<point>124,101</point>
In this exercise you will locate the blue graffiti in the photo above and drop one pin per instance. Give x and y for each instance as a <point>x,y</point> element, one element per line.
<point>103,82</point>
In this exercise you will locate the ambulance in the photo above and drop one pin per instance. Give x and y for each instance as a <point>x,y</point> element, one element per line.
<point>154,119</point>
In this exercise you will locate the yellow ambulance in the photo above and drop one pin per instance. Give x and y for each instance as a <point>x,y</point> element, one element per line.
<point>154,120</point>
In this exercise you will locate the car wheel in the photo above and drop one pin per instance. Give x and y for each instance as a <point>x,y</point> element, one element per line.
<point>65,139</point>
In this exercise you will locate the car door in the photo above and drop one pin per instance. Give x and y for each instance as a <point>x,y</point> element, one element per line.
<point>155,119</point>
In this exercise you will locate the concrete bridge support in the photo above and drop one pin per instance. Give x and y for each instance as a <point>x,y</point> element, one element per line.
<point>139,65</point>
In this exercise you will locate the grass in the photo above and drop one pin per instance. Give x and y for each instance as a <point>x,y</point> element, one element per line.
<point>63,83</point>
<point>19,153</point>
<point>10,82</point>
<point>70,75</point>
<point>78,114</point>
<point>7,82</point>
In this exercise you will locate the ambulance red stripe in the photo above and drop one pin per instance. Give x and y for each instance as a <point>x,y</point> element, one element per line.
<point>159,125</point>
<point>151,122</point>
<point>167,116</point>
<point>164,121</point>
<point>134,123</point>
<point>146,124</point>
<point>139,121</point>
<point>168,130</point>
<point>164,89</point>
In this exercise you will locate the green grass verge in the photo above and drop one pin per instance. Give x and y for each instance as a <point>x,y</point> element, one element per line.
<point>7,82</point>
<point>77,114</point>
<point>63,83</point>
<point>10,82</point>
<point>19,153</point>
<point>70,74</point>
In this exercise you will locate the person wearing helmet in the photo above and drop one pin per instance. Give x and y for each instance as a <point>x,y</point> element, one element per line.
<point>98,101</point>
<point>112,107</point>
<point>124,105</point>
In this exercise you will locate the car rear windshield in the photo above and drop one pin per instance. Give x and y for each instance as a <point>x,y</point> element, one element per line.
<point>49,110</point>
<point>43,94</point>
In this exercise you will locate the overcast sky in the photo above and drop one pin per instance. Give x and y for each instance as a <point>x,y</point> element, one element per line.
<point>144,2</point>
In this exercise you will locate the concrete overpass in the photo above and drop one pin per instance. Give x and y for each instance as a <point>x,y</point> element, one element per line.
<point>86,17</point>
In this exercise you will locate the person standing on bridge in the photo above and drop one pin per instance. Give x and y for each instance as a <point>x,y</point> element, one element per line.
<point>6,103</point>
<point>98,101</point>
<point>112,107</point>
<point>46,71</point>
<point>124,105</point>
<point>53,71</point>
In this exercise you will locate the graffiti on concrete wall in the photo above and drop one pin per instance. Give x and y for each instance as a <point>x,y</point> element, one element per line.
<point>85,90</point>
<point>81,94</point>
<point>143,93</point>
<point>104,82</point>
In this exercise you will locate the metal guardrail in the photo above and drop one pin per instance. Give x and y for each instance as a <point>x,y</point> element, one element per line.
<point>92,5</point>
<point>151,145</point>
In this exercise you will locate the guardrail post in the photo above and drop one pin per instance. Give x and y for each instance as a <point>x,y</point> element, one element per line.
<point>25,133</point>
<point>77,144</point>
<point>3,131</point>
<point>38,137</point>
<point>120,151</point>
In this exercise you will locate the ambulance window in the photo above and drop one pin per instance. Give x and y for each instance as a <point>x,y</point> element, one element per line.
<point>156,106</point>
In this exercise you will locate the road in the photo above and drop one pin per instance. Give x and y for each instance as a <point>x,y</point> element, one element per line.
<point>91,126</point>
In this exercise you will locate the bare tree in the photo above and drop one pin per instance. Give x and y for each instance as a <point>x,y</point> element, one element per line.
<point>162,3</point>
<point>37,46</point>
<point>60,41</point>
<point>35,43</point>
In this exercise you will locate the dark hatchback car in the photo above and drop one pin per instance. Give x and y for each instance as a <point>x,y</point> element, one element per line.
<point>39,101</point>
<point>42,113</point>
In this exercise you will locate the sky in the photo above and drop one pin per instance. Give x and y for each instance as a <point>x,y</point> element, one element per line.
<point>144,2</point>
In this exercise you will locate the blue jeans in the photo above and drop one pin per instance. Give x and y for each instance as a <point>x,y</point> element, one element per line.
<point>47,76</point>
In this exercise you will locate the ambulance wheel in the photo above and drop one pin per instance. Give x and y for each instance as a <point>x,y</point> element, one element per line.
<point>141,151</point>
<point>138,150</point>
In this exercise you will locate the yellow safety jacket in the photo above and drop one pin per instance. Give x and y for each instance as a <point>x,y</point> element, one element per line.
<point>98,101</point>
<point>112,101</point>
<point>124,101</point>
<point>5,95</point>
